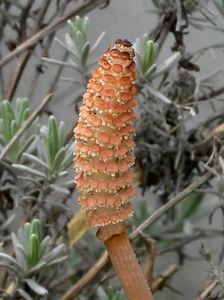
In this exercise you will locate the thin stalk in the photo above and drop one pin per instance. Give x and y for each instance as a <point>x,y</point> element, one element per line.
<point>124,261</point>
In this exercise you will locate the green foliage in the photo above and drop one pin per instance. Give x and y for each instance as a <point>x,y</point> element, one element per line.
<point>146,51</point>
<point>188,206</point>
<point>33,255</point>
<point>11,120</point>
<point>57,155</point>
<point>77,41</point>
<point>77,38</point>
<point>52,158</point>
<point>110,294</point>
<point>32,245</point>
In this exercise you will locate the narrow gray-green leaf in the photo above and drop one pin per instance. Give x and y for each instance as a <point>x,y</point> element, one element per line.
<point>58,260</point>
<point>24,294</point>
<point>36,287</point>
<point>58,250</point>
<point>35,159</point>
<point>70,45</point>
<point>37,268</point>
<point>21,105</point>
<point>167,65</point>
<point>8,222</point>
<point>13,128</point>
<point>58,159</point>
<point>59,189</point>
<point>20,255</point>
<point>85,53</point>
<point>29,170</point>
<point>24,145</point>
<point>97,42</point>
<point>44,246</point>
<point>61,135</point>
<point>53,144</point>
<point>7,116</point>
<point>156,93</point>
<point>25,115</point>
<point>80,43</point>
<point>68,158</point>
<point>10,259</point>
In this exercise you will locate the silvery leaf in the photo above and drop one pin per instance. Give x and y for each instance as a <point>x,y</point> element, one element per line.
<point>7,222</point>
<point>58,260</point>
<point>59,189</point>
<point>29,170</point>
<point>54,253</point>
<point>166,65</point>
<point>44,245</point>
<point>156,93</point>
<point>24,294</point>
<point>38,289</point>
<point>37,268</point>
<point>70,44</point>
<point>97,42</point>
<point>10,260</point>
<point>19,251</point>
<point>35,159</point>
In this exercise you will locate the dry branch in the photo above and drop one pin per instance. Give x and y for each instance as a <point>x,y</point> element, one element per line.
<point>158,281</point>
<point>82,9</point>
<point>207,290</point>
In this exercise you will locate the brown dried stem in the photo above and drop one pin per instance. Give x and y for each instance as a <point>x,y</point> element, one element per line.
<point>150,258</point>
<point>158,281</point>
<point>207,291</point>
<point>84,280</point>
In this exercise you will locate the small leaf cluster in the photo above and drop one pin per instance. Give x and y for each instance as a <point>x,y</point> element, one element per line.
<point>110,294</point>
<point>11,120</point>
<point>146,52</point>
<point>52,158</point>
<point>57,155</point>
<point>33,255</point>
<point>77,40</point>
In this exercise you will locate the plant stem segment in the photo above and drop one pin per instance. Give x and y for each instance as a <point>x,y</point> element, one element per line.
<point>124,261</point>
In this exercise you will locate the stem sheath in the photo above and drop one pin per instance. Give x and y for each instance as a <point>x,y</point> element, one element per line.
<point>125,262</point>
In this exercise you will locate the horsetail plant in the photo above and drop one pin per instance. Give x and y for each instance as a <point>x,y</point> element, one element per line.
<point>103,157</point>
